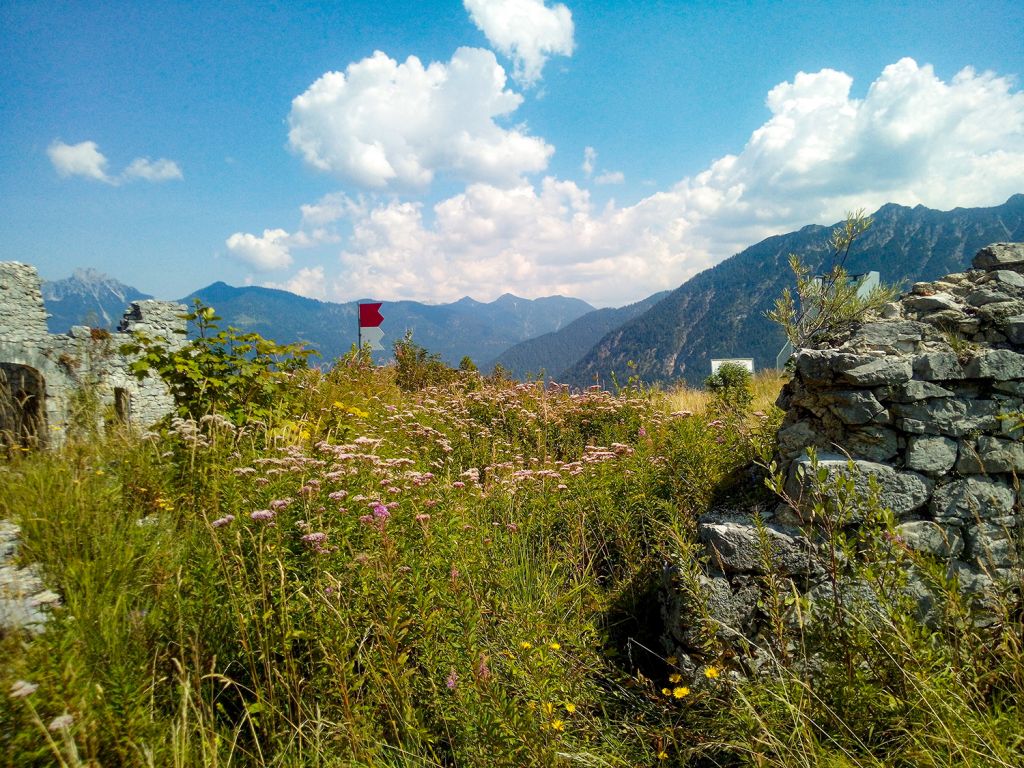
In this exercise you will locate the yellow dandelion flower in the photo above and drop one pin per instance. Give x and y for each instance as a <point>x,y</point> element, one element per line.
<point>663,755</point>
<point>675,678</point>
<point>570,707</point>
<point>525,645</point>
<point>554,646</point>
<point>680,691</point>
<point>666,691</point>
<point>672,661</point>
<point>557,725</point>
<point>711,673</point>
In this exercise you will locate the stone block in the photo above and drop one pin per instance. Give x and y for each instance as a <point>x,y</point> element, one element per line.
<point>996,364</point>
<point>902,492</point>
<point>878,372</point>
<point>855,406</point>
<point>1014,329</point>
<point>931,303</point>
<point>931,538</point>
<point>947,416</point>
<point>735,546</point>
<point>998,256</point>
<point>940,365</point>
<point>1006,278</point>
<point>912,391</point>
<point>991,455</point>
<point>992,544</point>
<point>972,497</point>
<point>872,443</point>
<point>891,337</point>
<point>934,455</point>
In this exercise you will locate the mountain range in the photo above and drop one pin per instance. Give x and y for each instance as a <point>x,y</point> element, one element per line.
<point>720,313</point>
<point>88,298</point>
<point>668,336</point>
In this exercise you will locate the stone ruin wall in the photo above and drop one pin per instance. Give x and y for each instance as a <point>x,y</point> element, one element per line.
<point>922,400</point>
<point>50,370</point>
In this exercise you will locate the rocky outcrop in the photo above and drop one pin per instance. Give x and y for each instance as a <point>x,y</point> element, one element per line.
<point>919,409</point>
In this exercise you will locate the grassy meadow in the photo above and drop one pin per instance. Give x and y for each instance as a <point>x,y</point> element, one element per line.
<point>394,567</point>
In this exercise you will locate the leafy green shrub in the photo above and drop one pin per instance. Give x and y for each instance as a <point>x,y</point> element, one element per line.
<point>827,305</point>
<point>416,367</point>
<point>732,387</point>
<point>240,376</point>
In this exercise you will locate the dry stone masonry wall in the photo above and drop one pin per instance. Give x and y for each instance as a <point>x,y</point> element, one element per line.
<point>43,375</point>
<point>924,404</point>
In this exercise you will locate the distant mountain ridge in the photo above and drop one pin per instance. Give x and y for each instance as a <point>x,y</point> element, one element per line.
<point>721,312</point>
<point>465,327</point>
<point>88,297</point>
<point>554,352</point>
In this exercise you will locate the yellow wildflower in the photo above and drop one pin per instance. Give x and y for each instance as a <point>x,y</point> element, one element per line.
<point>554,646</point>
<point>570,707</point>
<point>666,691</point>
<point>672,661</point>
<point>525,645</point>
<point>680,691</point>
<point>675,678</point>
<point>663,755</point>
<point>711,673</point>
<point>557,725</point>
<point>548,708</point>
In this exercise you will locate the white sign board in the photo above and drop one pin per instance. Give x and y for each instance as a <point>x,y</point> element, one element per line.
<point>744,362</point>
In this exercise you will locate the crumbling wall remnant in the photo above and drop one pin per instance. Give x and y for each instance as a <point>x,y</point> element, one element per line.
<point>45,377</point>
<point>923,405</point>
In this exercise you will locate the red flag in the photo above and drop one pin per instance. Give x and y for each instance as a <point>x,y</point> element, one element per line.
<point>370,316</point>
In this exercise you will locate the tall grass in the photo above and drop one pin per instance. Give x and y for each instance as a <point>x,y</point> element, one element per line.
<point>464,575</point>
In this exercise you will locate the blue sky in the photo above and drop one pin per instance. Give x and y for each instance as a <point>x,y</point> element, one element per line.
<point>430,150</point>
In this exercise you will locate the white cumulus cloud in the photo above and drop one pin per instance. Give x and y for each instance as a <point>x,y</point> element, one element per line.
<point>383,124</point>
<point>152,170</point>
<point>264,253</point>
<point>589,159</point>
<point>308,281</point>
<point>913,138</point>
<point>610,177</point>
<point>526,31</point>
<point>85,159</point>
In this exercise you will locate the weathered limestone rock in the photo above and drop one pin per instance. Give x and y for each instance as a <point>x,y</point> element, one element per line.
<point>1015,329</point>
<point>887,371</point>
<point>912,391</point>
<point>996,364</point>
<point>931,302</point>
<point>971,498</point>
<point>940,365</point>
<point>999,256</point>
<point>930,537</point>
<point>902,492</point>
<point>992,543</point>
<point>892,337</point>
<point>873,443</point>
<point>990,455</point>
<point>934,455</point>
<point>735,546</point>
<point>855,407</point>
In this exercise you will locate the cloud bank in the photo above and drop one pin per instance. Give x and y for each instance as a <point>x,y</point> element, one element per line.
<point>382,124</point>
<point>913,138</point>
<point>85,159</point>
<point>525,31</point>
